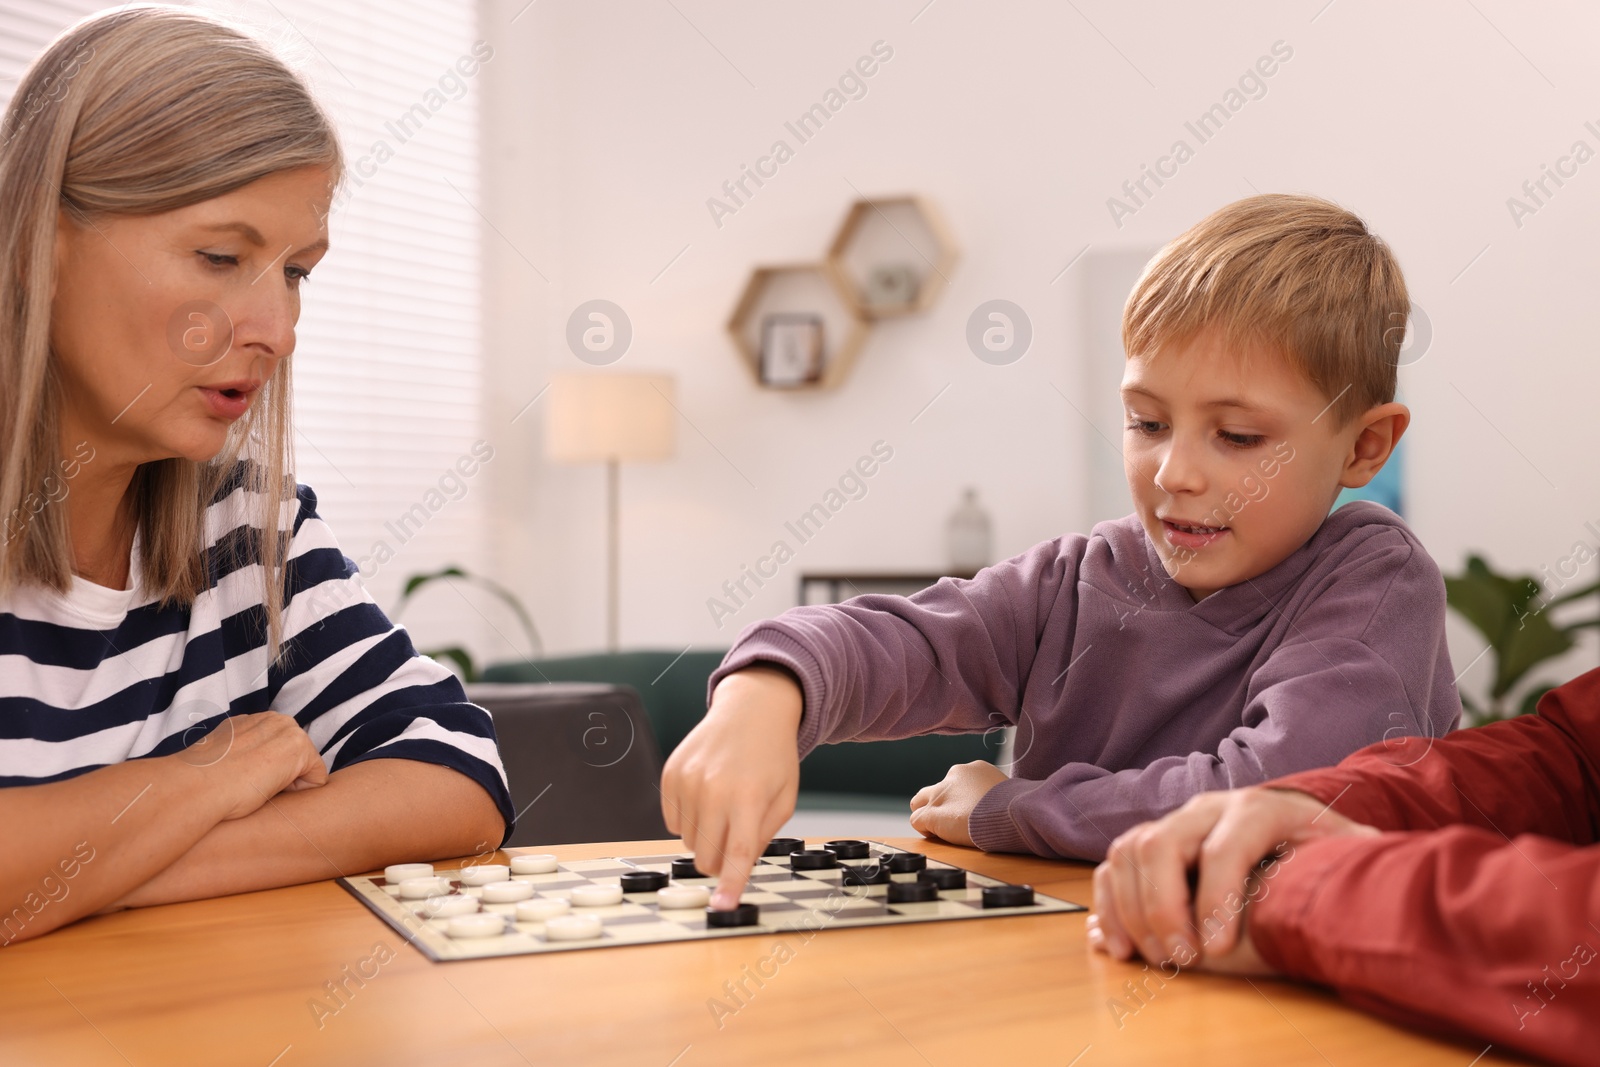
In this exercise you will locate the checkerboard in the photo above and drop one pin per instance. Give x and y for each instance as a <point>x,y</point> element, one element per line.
<point>790,901</point>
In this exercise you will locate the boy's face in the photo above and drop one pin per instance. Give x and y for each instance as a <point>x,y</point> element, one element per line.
<point>1233,457</point>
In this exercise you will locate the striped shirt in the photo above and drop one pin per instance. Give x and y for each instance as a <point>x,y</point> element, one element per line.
<point>97,676</point>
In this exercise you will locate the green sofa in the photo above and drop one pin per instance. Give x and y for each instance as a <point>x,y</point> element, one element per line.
<point>852,776</point>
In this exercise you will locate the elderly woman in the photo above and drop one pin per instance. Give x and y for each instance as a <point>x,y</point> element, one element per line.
<point>197,696</point>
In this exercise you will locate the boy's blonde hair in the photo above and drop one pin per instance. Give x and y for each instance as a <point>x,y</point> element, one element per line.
<point>137,111</point>
<point>1297,273</point>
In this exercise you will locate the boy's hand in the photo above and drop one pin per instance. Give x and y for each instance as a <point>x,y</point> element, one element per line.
<point>731,784</point>
<point>1141,892</point>
<point>942,811</point>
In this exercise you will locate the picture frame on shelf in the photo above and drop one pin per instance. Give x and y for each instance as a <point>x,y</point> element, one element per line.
<point>792,349</point>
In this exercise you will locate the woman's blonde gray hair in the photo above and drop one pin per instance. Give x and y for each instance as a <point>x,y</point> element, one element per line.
<point>138,111</point>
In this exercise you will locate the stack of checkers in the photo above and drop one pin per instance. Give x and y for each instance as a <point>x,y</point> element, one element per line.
<point>539,904</point>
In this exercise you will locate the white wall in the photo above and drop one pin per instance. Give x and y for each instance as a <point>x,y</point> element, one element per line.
<point>610,124</point>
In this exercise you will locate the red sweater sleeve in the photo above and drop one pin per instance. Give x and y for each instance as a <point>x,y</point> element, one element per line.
<point>1480,913</point>
<point>1537,774</point>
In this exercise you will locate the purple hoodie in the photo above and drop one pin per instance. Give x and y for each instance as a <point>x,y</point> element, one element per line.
<point>1129,698</point>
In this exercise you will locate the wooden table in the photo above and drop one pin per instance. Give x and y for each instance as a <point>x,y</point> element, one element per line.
<point>232,981</point>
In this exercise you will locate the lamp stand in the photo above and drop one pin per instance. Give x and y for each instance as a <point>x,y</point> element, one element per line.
<point>612,495</point>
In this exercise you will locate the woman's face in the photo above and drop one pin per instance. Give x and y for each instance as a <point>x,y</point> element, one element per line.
<point>165,327</point>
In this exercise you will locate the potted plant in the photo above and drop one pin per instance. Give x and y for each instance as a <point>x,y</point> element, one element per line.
<point>455,653</point>
<point>1519,624</point>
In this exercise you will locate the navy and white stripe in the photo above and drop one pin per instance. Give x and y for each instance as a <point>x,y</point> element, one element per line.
<point>99,676</point>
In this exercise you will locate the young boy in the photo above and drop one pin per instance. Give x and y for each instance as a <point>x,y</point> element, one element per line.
<point>1229,631</point>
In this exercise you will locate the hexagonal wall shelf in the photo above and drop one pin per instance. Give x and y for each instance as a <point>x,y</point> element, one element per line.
<point>891,256</point>
<point>801,298</point>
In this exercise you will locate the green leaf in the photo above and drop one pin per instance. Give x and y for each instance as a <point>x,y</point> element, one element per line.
<point>1483,598</point>
<point>1576,594</point>
<point>1512,617</point>
<point>1531,701</point>
<point>417,581</point>
<point>1529,643</point>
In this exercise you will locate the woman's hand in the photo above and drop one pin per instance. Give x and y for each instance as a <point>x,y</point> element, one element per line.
<point>253,758</point>
<point>731,784</point>
<point>114,831</point>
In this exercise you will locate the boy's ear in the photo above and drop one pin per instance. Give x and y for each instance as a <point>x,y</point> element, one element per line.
<point>1379,430</point>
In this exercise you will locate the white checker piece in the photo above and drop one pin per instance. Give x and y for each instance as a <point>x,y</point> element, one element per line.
<point>799,900</point>
<point>533,863</point>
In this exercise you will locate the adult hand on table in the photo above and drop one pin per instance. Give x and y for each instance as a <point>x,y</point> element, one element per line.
<point>731,783</point>
<point>253,758</point>
<point>943,811</point>
<point>229,774</point>
<point>1142,891</point>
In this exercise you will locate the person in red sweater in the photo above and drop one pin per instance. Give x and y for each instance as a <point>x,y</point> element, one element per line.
<point>1450,883</point>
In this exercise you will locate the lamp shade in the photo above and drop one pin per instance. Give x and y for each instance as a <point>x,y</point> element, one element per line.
<point>599,417</point>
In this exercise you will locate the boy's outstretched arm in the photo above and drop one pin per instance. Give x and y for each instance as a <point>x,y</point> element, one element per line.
<point>954,658</point>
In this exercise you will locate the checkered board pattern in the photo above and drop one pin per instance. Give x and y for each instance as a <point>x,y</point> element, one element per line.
<point>789,901</point>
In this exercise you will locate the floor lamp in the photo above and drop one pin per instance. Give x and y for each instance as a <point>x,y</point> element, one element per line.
<point>611,419</point>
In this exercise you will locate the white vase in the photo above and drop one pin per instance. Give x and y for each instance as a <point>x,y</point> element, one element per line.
<point>969,537</point>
